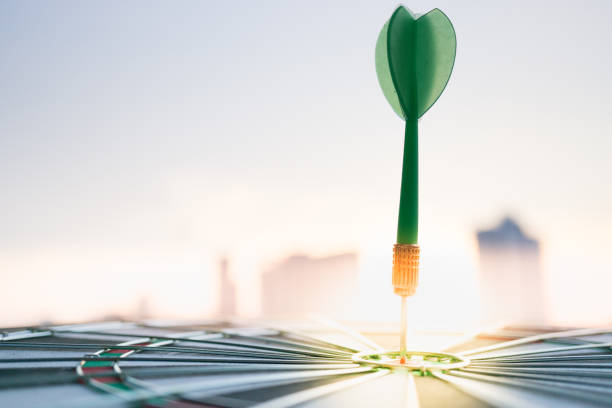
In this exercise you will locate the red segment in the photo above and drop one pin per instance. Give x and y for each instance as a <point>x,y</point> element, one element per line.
<point>107,380</point>
<point>91,370</point>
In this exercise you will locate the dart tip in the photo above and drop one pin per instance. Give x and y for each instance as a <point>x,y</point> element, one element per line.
<point>403,330</point>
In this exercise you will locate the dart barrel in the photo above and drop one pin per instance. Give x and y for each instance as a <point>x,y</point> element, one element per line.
<point>405,269</point>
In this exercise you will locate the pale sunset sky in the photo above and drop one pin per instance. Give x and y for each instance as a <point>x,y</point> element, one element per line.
<point>142,140</point>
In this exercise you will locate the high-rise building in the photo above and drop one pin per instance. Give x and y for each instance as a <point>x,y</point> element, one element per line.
<point>303,285</point>
<point>510,275</point>
<point>227,290</point>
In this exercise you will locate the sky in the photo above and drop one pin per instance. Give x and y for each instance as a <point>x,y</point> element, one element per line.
<point>141,141</point>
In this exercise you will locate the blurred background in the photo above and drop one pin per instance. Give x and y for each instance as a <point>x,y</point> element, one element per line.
<point>195,158</point>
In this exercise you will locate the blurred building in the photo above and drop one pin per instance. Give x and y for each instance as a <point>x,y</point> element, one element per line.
<point>304,285</point>
<point>510,275</point>
<point>143,310</point>
<point>227,290</point>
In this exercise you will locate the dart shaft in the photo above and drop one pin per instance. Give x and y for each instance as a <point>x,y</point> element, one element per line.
<point>408,218</point>
<point>403,329</point>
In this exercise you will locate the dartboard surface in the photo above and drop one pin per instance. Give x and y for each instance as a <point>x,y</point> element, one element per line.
<point>218,364</point>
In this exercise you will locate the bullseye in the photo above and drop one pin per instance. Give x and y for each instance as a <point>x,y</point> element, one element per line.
<point>418,360</point>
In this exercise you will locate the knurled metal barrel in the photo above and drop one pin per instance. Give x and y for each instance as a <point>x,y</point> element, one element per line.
<point>405,269</point>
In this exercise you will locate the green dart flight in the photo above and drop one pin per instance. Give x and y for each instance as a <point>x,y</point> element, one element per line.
<point>414,60</point>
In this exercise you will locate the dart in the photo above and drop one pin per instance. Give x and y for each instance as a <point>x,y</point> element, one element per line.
<point>414,60</point>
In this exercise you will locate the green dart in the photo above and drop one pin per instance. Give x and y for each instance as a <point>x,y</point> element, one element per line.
<point>414,60</point>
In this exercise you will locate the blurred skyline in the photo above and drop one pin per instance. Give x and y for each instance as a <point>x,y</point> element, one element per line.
<point>510,276</point>
<point>141,140</point>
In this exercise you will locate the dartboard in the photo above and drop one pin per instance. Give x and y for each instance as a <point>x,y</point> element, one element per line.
<point>264,364</point>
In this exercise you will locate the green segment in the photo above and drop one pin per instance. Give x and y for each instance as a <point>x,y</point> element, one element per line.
<point>104,363</point>
<point>120,386</point>
<point>414,60</point>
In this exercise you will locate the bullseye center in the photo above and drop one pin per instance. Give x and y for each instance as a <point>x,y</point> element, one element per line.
<point>420,360</point>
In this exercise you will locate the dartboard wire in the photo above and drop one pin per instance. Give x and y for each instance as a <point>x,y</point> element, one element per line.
<point>544,384</point>
<point>552,374</point>
<point>211,335</point>
<point>122,382</point>
<point>470,335</point>
<point>300,397</point>
<point>314,339</point>
<point>24,334</point>
<point>119,382</point>
<point>485,368</point>
<point>224,343</point>
<point>473,384</point>
<point>493,396</point>
<point>519,354</point>
<point>555,370</point>
<point>130,382</point>
<point>174,349</point>
<point>412,396</point>
<point>324,347</point>
<point>562,378</point>
<point>218,386</point>
<point>360,338</point>
<point>537,338</point>
<point>57,378</point>
<point>578,360</point>
<point>235,345</point>
<point>569,360</point>
<point>539,381</point>
<point>231,368</point>
<point>167,359</point>
<point>247,350</point>
<point>561,371</point>
<point>320,350</point>
<point>501,357</point>
<point>228,333</point>
<point>95,326</point>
